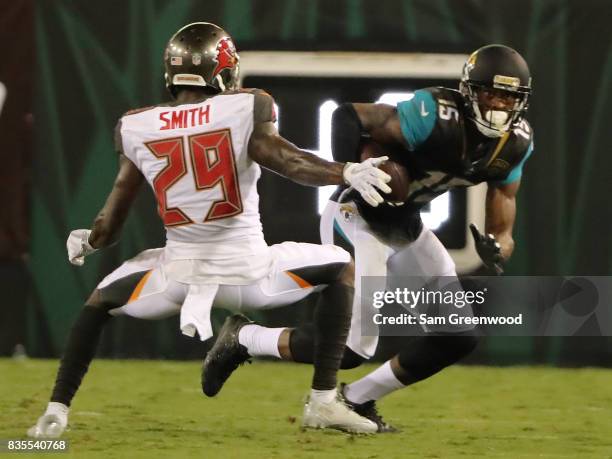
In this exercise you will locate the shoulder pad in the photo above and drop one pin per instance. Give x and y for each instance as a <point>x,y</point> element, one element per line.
<point>418,117</point>
<point>118,139</point>
<point>254,91</point>
<point>446,96</point>
<point>523,131</point>
<point>263,106</point>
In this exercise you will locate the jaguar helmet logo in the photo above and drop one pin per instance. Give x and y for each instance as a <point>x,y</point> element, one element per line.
<point>469,65</point>
<point>347,212</point>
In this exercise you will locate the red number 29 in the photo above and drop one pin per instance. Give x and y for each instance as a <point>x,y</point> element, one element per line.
<point>212,161</point>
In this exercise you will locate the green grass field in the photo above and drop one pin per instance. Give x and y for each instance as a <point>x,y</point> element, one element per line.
<point>133,409</point>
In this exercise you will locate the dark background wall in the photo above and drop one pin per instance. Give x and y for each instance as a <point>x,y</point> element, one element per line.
<point>16,78</point>
<point>96,60</point>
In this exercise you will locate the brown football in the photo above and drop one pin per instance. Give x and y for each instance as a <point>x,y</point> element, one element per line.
<point>400,180</point>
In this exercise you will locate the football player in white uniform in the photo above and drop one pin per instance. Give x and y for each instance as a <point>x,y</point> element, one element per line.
<point>445,138</point>
<point>201,154</point>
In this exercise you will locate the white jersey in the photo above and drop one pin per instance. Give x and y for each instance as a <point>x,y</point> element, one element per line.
<point>194,157</point>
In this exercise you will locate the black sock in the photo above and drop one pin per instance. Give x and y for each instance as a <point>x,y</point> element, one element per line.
<point>301,346</point>
<point>301,343</point>
<point>332,323</point>
<point>80,350</point>
<point>427,355</point>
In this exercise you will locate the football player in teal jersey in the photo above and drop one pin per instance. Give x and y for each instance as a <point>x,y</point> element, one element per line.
<point>447,138</point>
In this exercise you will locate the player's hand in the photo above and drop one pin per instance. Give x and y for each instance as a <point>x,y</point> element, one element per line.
<point>78,246</point>
<point>366,177</point>
<point>488,250</point>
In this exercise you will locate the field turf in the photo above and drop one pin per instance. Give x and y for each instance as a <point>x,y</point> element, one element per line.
<point>154,409</point>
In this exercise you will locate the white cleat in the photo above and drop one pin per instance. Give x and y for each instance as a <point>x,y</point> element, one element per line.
<point>336,415</point>
<point>52,424</point>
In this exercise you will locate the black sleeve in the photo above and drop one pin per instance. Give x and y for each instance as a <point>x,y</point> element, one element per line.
<point>346,134</point>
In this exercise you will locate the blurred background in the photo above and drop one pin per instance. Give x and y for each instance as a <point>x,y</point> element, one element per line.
<point>70,69</point>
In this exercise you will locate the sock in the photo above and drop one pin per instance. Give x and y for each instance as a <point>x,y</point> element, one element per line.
<point>323,396</point>
<point>260,341</point>
<point>301,343</point>
<point>301,346</point>
<point>332,323</point>
<point>80,351</point>
<point>373,386</point>
<point>57,408</point>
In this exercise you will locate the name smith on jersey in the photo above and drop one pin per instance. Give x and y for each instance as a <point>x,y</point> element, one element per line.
<point>186,118</point>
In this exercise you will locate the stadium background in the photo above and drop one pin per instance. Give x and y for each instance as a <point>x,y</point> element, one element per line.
<point>75,67</point>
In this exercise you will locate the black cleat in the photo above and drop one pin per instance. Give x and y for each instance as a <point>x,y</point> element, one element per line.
<point>368,410</point>
<point>225,356</point>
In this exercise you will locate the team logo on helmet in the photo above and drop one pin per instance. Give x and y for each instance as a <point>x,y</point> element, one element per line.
<point>226,55</point>
<point>347,212</point>
<point>471,62</point>
<point>469,65</point>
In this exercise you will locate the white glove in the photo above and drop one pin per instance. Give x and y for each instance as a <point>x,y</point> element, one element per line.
<point>365,176</point>
<point>78,246</point>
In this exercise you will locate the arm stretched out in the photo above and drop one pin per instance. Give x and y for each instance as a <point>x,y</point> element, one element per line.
<point>109,221</point>
<point>273,152</point>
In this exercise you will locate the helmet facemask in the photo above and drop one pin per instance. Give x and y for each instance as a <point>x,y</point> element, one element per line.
<point>494,122</point>
<point>494,74</point>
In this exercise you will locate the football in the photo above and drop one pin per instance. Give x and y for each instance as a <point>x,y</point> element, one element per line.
<point>400,180</point>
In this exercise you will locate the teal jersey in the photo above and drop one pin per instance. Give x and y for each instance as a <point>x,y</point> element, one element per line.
<point>445,151</point>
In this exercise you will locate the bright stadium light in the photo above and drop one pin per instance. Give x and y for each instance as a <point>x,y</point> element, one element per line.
<point>324,151</point>
<point>325,115</point>
<point>2,95</point>
<point>439,210</point>
<point>277,111</point>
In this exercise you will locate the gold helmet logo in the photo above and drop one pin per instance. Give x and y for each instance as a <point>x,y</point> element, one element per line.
<point>471,62</point>
<point>347,211</point>
<point>472,59</point>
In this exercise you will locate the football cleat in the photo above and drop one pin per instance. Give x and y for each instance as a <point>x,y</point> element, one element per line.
<point>336,415</point>
<point>226,355</point>
<point>49,425</point>
<point>368,410</point>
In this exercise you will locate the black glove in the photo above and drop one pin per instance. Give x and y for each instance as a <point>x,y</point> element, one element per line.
<point>488,250</point>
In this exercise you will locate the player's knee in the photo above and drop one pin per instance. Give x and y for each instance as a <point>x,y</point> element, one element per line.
<point>465,342</point>
<point>342,270</point>
<point>96,301</point>
<point>351,359</point>
<point>301,343</point>
<point>455,346</point>
<point>431,353</point>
